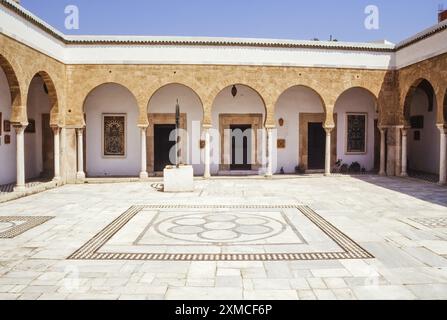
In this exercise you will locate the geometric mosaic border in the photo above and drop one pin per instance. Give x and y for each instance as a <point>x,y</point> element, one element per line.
<point>30,222</point>
<point>350,249</point>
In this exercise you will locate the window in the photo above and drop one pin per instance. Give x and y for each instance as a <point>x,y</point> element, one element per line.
<point>356,124</point>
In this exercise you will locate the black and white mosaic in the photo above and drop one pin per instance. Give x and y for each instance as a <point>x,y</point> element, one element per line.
<point>11,227</point>
<point>439,222</point>
<point>220,233</point>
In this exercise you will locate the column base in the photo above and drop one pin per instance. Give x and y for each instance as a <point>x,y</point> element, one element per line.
<point>19,188</point>
<point>57,179</point>
<point>327,174</point>
<point>382,174</point>
<point>144,175</point>
<point>442,183</point>
<point>207,176</point>
<point>80,175</point>
<point>404,174</point>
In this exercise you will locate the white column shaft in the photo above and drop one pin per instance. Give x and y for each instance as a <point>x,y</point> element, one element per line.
<point>20,158</point>
<point>57,164</point>
<point>443,158</point>
<point>327,166</point>
<point>269,172</point>
<point>207,173</point>
<point>80,174</point>
<point>143,173</point>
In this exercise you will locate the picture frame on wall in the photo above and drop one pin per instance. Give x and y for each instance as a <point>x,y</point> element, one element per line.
<point>114,134</point>
<point>7,139</point>
<point>6,125</point>
<point>31,128</point>
<point>356,133</point>
<point>1,124</point>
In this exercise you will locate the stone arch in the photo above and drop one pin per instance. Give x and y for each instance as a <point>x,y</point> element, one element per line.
<point>179,84</point>
<point>14,88</point>
<point>215,94</point>
<point>115,103</point>
<point>422,83</point>
<point>50,88</point>
<point>302,86</point>
<point>364,89</point>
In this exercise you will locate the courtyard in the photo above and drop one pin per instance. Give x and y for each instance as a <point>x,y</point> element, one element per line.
<point>287,237</point>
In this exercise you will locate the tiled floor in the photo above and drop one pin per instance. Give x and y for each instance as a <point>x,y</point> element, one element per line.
<point>223,226</point>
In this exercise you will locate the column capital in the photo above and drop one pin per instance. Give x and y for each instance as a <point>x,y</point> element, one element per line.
<point>206,126</point>
<point>442,128</point>
<point>19,128</point>
<point>143,126</point>
<point>270,127</point>
<point>329,128</point>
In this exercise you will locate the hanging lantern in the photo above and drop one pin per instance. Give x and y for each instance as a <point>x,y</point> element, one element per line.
<point>234,91</point>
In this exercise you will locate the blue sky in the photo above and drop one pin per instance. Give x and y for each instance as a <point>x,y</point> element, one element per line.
<point>282,19</point>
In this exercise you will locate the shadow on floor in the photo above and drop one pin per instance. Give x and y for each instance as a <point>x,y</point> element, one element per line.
<point>416,188</point>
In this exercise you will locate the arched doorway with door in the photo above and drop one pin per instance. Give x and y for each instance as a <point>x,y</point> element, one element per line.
<point>300,116</point>
<point>238,113</point>
<point>161,131</point>
<point>39,141</point>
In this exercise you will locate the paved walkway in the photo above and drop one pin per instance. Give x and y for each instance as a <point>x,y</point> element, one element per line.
<point>363,237</point>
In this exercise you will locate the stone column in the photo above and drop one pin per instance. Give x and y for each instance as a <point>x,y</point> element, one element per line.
<point>80,175</point>
<point>443,155</point>
<point>207,151</point>
<point>143,173</point>
<point>404,152</point>
<point>269,172</point>
<point>327,166</point>
<point>382,171</point>
<point>57,151</point>
<point>20,157</point>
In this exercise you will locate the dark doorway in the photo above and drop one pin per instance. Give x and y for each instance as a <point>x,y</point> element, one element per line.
<point>376,146</point>
<point>162,145</point>
<point>316,146</point>
<point>47,148</point>
<point>240,147</point>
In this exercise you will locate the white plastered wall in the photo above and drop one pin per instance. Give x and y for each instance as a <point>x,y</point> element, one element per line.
<point>246,101</point>
<point>291,103</point>
<point>38,104</point>
<point>356,100</point>
<point>111,98</point>
<point>164,101</point>
<point>7,152</point>
<point>423,155</point>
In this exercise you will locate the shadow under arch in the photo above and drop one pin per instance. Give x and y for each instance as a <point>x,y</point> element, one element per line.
<point>167,85</point>
<point>98,86</point>
<point>425,86</point>
<point>14,87</point>
<point>50,89</point>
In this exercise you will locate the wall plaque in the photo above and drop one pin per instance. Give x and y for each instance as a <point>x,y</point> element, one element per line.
<point>281,144</point>
<point>114,135</point>
<point>356,133</point>
<point>6,125</point>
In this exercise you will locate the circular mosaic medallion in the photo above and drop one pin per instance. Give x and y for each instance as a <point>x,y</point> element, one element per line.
<point>220,227</point>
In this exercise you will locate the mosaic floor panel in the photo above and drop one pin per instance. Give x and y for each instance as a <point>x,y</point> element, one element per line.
<point>11,227</point>
<point>220,233</point>
<point>440,222</point>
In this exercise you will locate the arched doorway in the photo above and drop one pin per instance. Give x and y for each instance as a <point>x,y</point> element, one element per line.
<point>39,142</point>
<point>161,116</point>
<point>422,134</point>
<point>358,136</point>
<point>238,113</point>
<point>111,146</point>
<point>300,116</point>
<point>9,93</point>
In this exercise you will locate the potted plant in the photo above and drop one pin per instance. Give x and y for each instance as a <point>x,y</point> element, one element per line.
<point>355,167</point>
<point>299,169</point>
